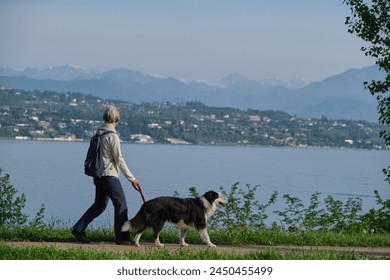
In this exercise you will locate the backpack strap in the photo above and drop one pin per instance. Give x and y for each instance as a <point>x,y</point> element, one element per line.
<point>103,132</point>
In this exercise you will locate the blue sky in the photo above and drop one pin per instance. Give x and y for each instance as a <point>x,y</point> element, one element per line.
<point>186,39</point>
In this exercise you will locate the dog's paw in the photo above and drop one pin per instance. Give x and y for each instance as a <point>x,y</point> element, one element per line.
<point>126,226</point>
<point>184,244</point>
<point>211,245</point>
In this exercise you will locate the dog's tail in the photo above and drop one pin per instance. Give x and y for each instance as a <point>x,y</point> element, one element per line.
<point>136,223</point>
<point>126,226</point>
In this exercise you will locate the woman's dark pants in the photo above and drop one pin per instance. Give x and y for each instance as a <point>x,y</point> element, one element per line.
<point>107,187</point>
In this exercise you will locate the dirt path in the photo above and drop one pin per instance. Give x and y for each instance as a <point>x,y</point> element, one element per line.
<point>148,247</point>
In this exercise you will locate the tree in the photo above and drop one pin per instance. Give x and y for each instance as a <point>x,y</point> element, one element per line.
<point>371,22</point>
<point>10,206</point>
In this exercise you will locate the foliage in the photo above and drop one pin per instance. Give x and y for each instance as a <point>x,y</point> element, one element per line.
<point>378,220</point>
<point>245,212</point>
<point>336,217</point>
<point>371,22</point>
<point>11,206</point>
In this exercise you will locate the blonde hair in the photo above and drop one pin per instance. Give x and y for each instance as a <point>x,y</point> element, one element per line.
<point>111,115</point>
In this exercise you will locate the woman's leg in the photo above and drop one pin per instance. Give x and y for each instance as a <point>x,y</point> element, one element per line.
<point>117,195</point>
<point>100,204</point>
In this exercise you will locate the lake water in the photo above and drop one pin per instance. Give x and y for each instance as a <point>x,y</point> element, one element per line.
<point>52,173</point>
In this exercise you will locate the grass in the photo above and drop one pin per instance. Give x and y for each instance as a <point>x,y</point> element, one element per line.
<point>53,253</point>
<point>169,235</point>
<point>243,236</point>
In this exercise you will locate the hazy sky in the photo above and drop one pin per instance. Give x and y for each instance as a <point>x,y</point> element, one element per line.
<point>193,39</point>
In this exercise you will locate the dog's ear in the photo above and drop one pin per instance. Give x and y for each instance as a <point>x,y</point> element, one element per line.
<point>211,196</point>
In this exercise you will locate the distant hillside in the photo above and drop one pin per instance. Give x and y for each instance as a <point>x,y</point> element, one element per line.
<point>48,115</point>
<point>340,96</point>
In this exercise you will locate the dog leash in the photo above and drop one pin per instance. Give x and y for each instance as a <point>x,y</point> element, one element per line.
<point>138,188</point>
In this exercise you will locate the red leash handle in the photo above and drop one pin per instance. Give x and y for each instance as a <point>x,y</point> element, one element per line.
<point>137,187</point>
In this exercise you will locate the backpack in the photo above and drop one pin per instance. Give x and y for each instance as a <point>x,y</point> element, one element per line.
<point>93,164</point>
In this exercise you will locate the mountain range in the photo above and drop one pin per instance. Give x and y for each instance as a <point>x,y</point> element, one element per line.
<point>340,96</point>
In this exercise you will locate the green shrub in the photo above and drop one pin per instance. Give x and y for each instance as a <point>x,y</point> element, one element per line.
<point>378,220</point>
<point>336,216</point>
<point>332,215</point>
<point>11,206</point>
<point>243,210</point>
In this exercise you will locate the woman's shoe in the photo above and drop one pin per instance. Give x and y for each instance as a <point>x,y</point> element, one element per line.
<point>80,237</point>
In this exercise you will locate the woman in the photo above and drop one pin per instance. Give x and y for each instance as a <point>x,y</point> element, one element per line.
<point>108,185</point>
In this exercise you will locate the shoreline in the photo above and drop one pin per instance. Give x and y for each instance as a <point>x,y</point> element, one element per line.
<point>70,139</point>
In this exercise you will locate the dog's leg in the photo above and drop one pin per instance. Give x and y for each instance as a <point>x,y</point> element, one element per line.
<point>157,240</point>
<point>206,238</point>
<point>156,233</point>
<point>137,237</point>
<point>183,232</point>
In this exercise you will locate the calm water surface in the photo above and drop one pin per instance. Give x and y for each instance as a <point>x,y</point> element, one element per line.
<point>52,173</point>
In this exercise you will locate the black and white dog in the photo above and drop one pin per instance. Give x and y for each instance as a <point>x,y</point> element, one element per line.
<point>186,213</point>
